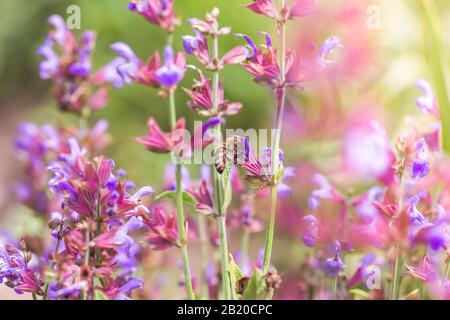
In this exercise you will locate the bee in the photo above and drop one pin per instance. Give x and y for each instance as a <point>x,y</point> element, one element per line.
<point>232,150</point>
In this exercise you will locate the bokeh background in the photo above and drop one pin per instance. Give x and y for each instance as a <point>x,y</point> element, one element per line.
<point>375,79</point>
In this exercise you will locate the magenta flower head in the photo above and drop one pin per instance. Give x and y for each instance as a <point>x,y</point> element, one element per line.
<point>297,9</point>
<point>159,141</point>
<point>201,99</point>
<point>158,12</point>
<point>427,103</point>
<point>310,230</point>
<point>262,62</point>
<point>164,233</point>
<point>173,69</point>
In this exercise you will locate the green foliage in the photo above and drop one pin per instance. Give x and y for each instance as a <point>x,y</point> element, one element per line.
<point>171,194</point>
<point>256,288</point>
<point>235,274</point>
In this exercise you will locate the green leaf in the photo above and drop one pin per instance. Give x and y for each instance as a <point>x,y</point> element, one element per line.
<point>438,62</point>
<point>415,292</point>
<point>359,294</point>
<point>172,194</point>
<point>256,288</point>
<point>226,187</point>
<point>234,274</point>
<point>100,295</point>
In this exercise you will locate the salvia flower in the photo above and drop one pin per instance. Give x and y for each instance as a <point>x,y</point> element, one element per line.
<point>159,141</point>
<point>68,63</point>
<point>259,170</point>
<point>158,12</point>
<point>333,265</point>
<point>15,273</point>
<point>427,103</point>
<point>310,230</point>
<point>164,229</point>
<point>172,71</point>
<point>297,9</point>
<point>197,46</point>
<point>201,99</point>
<point>420,166</point>
<point>326,191</point>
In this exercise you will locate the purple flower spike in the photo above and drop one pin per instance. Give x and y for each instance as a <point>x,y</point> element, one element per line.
<point>420,166</point>
<point>50,66</point>
<point>129,69</point>
<point>190,43</point>
<point>169,74</point>
<point>428,102</point>
<point>329,45</point>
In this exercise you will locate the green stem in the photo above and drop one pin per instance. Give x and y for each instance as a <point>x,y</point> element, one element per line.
<point>182,236</point>
<point>52,265</point>
<point>203,237</point>
<point>395,279</point>
<point>218,192</point>
<point>86,257</point>
<point>334,283</point>
<point>281,101</point>
<point>438,62</point>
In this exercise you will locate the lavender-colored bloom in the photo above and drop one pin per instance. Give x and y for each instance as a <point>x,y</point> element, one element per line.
<point>128,249</point>
<point>169,74</point>
<point>49,67</point>
<point>311,230</point>
<point>329,45</point>
<point>131,284</point>
<point>82,67</point>
<point>190,43</point>
<point>366,210</point>
<point>332,266</point>
<point>428,102</point>
<point>324,191</point>
<point>416,218</point>
<point>128,68</point>
<point>283,189</point>
<point>420,166</point>
<point>60,32</point>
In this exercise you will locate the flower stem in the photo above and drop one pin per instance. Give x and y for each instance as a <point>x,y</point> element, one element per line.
<point>52,264</point>
<point>280,97</point>
<point>334,283</point>
<point>218,192</point>
<point>203,237</point>
<point>395,279</point>
<point>86,257</point>
<point>180,211</point>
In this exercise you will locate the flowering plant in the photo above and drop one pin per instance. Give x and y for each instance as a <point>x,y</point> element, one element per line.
<point>369,221</point>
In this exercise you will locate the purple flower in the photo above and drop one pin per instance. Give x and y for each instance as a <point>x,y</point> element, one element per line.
<point>132,284</point>
<point>171,72</point>
<point>82,67</point>
<point>127,67</point>
<point>325,191</point>
<point>420,166</point>
<point>311,230</point>
<point>329,45</point>
<point>49,67</point>
<point>427,103</point>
